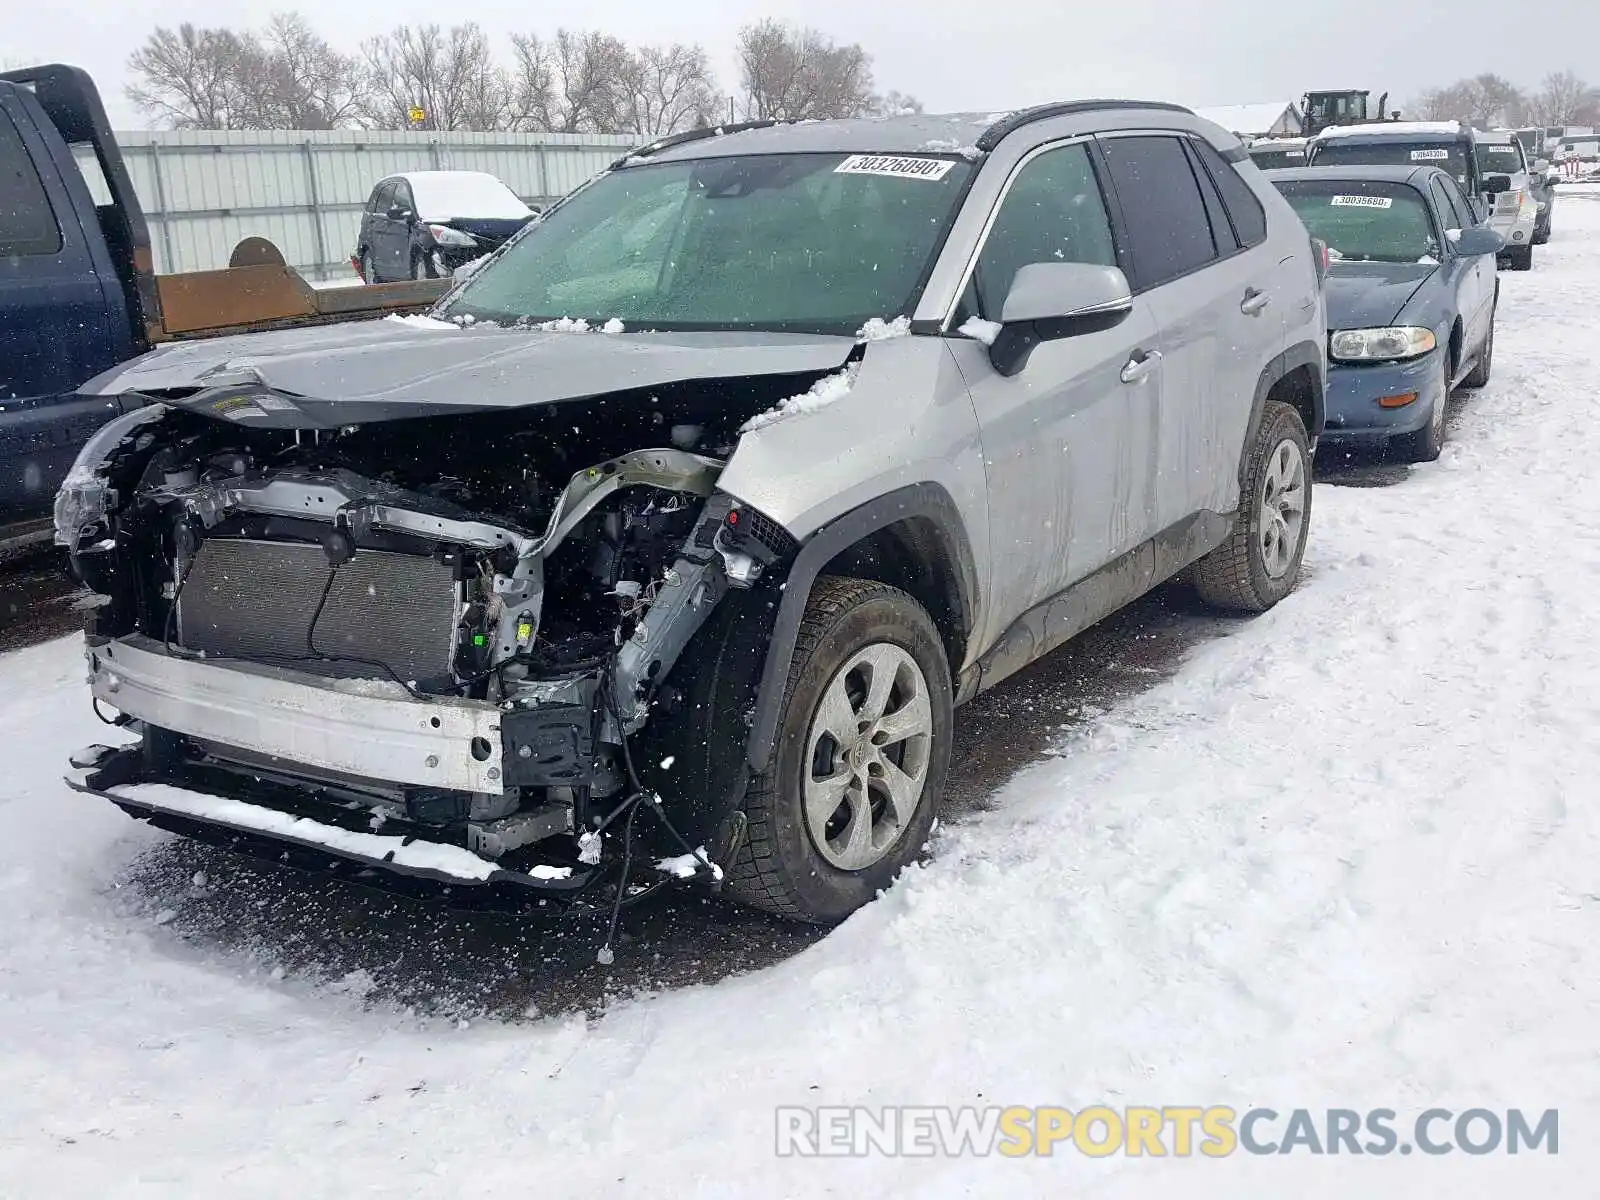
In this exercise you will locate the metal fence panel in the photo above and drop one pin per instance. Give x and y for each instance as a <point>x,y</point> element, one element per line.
<point>204,190</point>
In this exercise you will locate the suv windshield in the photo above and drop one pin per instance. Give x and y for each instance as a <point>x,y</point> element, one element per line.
<point>1350,152</point>
<point>815,242</point>
<point>1498,160</point>
<point>1365,222</point>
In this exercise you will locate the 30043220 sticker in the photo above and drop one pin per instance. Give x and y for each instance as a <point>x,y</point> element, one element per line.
<point>897,167</point>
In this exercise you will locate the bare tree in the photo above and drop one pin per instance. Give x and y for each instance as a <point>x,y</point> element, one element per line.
<point>1483,100</point>
<point>308,84</point>
<point>450,75</point>
<point>895,104</point>
<point>193,78</point>
<point>1563,99</point>
<point>790,73</point>
<point>665,90</point>
<point>591,83</point>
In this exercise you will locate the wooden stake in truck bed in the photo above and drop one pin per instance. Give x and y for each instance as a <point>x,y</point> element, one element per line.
<point>79,293</point>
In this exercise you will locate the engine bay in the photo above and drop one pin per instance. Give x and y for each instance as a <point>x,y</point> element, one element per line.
<point>552,562</point>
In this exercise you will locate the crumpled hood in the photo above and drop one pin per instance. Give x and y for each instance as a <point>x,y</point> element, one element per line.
<point>412,367</point>
<point>1367,295</point>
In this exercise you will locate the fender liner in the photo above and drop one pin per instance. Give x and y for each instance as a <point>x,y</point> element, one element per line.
<point>1301,354</point>
<point>926,500</point>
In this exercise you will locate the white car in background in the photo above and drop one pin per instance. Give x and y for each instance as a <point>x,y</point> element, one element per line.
<point>1515,211</point>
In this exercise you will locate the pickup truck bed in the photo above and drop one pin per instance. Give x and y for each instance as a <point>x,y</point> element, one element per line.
<point>79,295</point>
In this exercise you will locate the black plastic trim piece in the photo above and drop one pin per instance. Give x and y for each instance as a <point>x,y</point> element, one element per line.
<point>927,500</point>
<point>1007,125</point>
<point>693,135</point>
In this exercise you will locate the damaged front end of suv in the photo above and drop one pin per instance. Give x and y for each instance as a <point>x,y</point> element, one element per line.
<point>499,600</point>
<point>422,639</point>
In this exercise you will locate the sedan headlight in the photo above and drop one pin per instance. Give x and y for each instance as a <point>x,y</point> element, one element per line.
<point>443,235</point>
<point>1380,345</point>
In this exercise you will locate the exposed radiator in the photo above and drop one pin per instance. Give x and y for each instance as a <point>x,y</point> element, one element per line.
<point>256,600</point>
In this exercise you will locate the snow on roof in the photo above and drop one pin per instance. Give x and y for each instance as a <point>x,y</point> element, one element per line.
<point>443,195</point>
<point>1245,118</point>
<point>1279,143</point>
<point>1394,128</point>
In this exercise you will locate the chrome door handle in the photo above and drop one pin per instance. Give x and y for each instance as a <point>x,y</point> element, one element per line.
<point>1254,302</point>
<point>1140,365</point>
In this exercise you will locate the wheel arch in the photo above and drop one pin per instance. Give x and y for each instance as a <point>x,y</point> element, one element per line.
<point>911,538</point>
<point>1298,377</point>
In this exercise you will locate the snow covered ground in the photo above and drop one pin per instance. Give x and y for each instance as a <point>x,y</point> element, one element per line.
<point>1343,858</point>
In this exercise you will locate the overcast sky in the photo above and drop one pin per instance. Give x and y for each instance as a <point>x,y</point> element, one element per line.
<point>952,54</point>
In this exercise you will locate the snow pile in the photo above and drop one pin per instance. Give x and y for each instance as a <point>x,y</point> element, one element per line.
<point>981,330</point>
<point>877,329</point>
<point>830,389</point>
<point>421,321</point>
<point>405,852</point>
<point>577,325</point>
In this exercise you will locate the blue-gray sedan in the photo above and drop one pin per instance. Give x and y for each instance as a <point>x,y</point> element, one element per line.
<point>1411,292</point>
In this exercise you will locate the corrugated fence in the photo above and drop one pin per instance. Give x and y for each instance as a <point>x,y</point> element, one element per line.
<point>203,191</point>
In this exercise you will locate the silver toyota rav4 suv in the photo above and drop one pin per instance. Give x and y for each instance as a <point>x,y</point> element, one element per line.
<point>675,534</point>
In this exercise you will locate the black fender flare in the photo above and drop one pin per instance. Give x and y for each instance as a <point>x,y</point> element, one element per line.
<point>926,500</point>
<point>1301,354</point>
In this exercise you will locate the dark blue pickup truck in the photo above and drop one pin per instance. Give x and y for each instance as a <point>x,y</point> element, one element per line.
<point>79,294</point>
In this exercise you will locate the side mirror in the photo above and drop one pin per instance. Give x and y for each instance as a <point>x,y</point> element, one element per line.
<point>1493,185</point>
<point>1049,301</point>
<point>1479,240</point>
<point>1552,177</point>
<point>398,212</point>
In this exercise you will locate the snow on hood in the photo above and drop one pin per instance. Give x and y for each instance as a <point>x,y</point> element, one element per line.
<point>363,371</point>
<point>448,195</point>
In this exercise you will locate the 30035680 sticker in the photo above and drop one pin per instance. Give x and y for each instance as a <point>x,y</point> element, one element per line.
<point>1363,202</point>
<point>895,166</point>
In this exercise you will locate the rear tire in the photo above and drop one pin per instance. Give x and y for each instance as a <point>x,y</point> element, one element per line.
<point>1259,564</point>
<point>367,275</point>
<point>836,818</point>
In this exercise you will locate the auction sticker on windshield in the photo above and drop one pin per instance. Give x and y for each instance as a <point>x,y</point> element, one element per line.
<point>899,168</point>
<point>1363,202</point>
<point>1435,155</point>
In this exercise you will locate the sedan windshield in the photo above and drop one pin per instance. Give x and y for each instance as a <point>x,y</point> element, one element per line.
<point>1352,152</point>
<point>813,242</point>
<point>1365,222</point>
<point>1499,160</point>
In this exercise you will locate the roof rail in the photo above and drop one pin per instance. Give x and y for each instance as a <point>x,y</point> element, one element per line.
<point>694,135</point>
<point>1043,112</point>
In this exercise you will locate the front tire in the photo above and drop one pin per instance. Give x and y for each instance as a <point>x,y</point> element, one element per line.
<point>1520,258</point>
<point>422,267</point>
<point>861,758</point>
<point>1259,564</point>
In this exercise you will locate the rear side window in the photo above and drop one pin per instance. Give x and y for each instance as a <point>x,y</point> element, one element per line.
<point>1221,227</point>
<point>27,225</point>
<point>1464,217</point>
<point>1249,218</point>
<point>1168,229</point>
